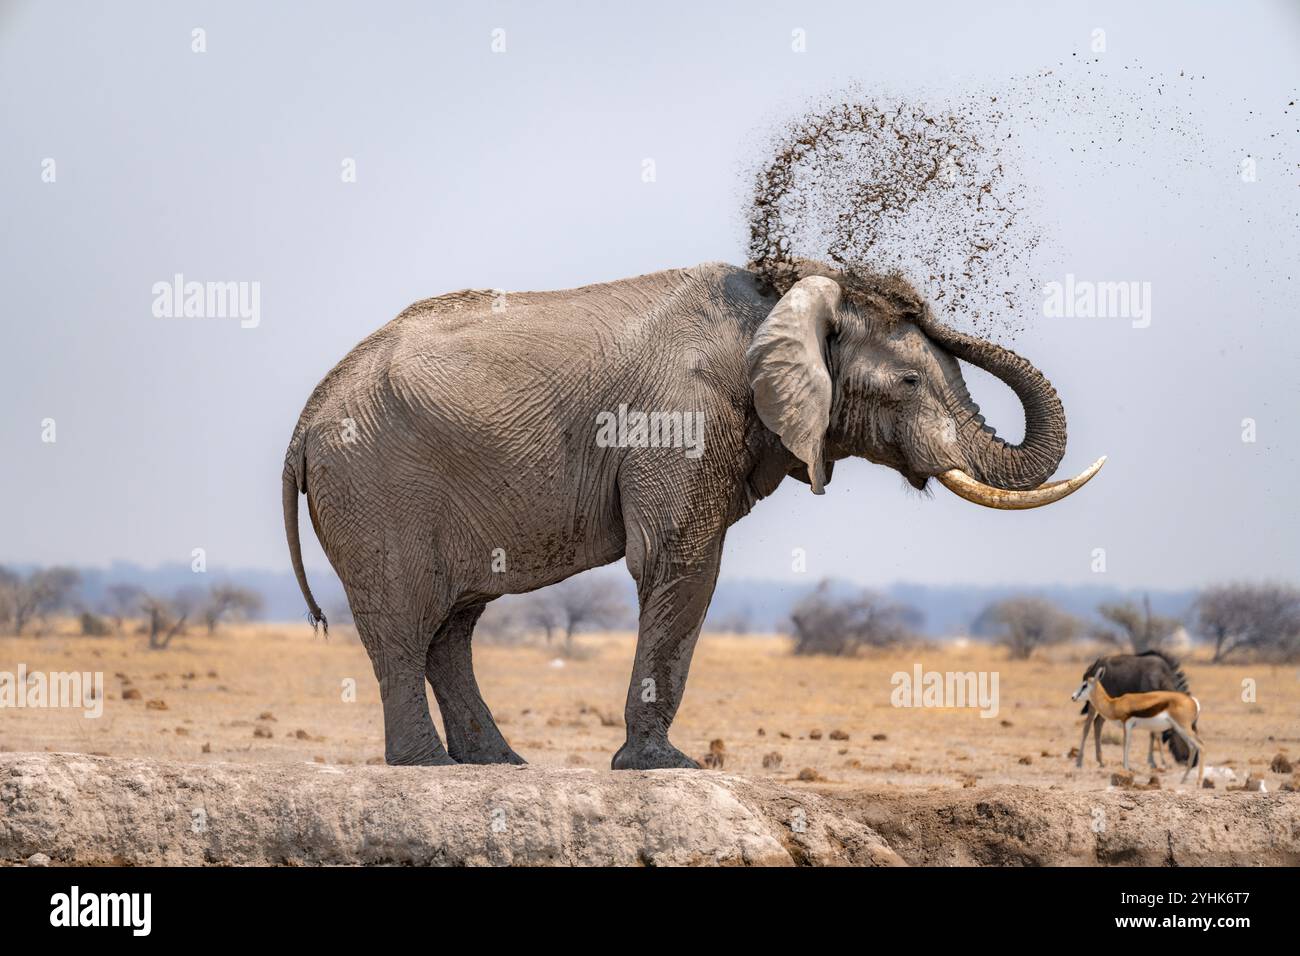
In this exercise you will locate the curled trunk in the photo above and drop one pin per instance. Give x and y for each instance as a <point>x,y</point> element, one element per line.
<point>993,460</point>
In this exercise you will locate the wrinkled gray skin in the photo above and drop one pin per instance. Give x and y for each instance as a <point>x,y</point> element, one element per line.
<point>464,431</point>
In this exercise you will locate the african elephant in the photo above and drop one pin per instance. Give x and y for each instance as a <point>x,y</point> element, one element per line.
<point>484,443</point>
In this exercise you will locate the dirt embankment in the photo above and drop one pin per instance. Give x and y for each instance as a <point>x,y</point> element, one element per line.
<point>1024,826</point>
<point>91,810</point>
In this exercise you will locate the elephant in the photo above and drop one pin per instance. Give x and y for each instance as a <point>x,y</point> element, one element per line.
<point>486,443</point>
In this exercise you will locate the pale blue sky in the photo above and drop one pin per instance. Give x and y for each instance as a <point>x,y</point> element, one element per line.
<point>522,170</point>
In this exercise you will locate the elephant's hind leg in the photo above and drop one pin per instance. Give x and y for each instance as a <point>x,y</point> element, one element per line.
<point>409,735</point>
<point>472,734</point>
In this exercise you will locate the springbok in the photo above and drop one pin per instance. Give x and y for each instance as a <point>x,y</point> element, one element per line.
<point>1135,674</point>
<point>1156,711</point>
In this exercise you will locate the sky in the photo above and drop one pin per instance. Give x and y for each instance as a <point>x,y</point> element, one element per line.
<point>522,169</point>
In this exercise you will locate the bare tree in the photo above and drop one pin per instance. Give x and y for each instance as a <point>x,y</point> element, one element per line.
<point>9,582</point>
<point>1135,626</point>
<point>541,611</point>
<point>165,620</point>
<point>1259,618</point>
<point>120,602</point>
<point>824,623</point>
<point>575,604</point>
<point>44,591</point>
<point>227,602</point>
<point>1026,623</point>
<point>503,621</point>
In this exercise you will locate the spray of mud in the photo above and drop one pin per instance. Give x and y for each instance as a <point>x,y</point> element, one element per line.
<point>940,191</point>
<point>871,186</point>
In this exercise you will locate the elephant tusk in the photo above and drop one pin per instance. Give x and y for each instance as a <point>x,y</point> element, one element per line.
<point>964,486</point>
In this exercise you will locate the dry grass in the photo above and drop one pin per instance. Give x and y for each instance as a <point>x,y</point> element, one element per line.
<point>276,693</point>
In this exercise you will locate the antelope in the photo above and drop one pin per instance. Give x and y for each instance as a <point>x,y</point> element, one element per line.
<point>1133,674</point>
<point>1156,711</point>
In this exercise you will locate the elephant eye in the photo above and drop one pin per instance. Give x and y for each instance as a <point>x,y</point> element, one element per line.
<point>911,379</point>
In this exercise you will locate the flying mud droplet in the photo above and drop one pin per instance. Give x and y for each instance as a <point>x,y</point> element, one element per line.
<point>946,192</point>
<point>874,187</point>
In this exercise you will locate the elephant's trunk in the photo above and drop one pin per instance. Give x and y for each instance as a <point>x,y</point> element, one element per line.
<point>992,460</point>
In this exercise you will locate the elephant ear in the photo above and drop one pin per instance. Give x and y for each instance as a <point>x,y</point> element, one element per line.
<point>787,371</point>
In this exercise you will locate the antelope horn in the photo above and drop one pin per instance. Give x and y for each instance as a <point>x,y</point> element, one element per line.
<point>964,486</point>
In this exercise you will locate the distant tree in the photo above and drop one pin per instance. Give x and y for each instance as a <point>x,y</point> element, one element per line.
<point>1259,618</point>
<point>43,592</point>
<point>541,611</point>
<point>825,623</point>
<point>227,602</point>
<point>502,622</point>
<point>575,604</point>
<point>165,619</point>
<point>120,602</point>
<point>1135,627</point>
<point>9,582</point>
<point>1024,624</point>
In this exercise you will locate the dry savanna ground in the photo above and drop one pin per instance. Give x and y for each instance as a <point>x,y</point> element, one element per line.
<point>276,692</point>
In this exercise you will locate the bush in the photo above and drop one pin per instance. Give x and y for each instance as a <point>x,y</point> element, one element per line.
<point>92,625</point>
<point>824,623</point>
<point>1024,624</point>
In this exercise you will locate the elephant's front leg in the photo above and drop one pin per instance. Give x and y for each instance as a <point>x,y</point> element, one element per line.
<point>675,583</point>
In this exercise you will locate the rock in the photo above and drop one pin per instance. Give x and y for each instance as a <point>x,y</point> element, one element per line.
<point>1026,761</point>
<point>38,859</point>
<point>1121,778</point>
<point>815,734</point>
<point>1255,784</point>
<point>264,732</point>
<point>86,811</point>
<point>772,761</point>
<point>156,704</point>
<point>1207,784</point>
<point>879,736</point>
<point>131,693</point>
<point>839,735</point>
<point>1280,764</point>
<point>809,775</point>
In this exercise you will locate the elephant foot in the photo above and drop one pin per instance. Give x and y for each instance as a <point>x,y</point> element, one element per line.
<point>423,760</point>
<point>652,756</point>
<point>488,755</point>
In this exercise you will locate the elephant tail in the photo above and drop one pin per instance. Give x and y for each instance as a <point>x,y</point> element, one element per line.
<point>295,478</point>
